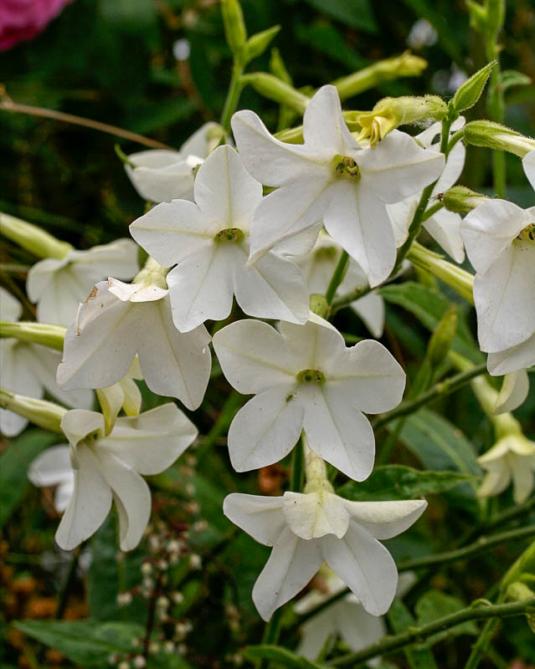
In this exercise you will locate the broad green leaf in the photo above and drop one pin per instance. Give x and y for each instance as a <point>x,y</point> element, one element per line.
<point>434,605</point>
<point>84,642</point>
<point>391,482</point>
<point>438,444</point>
<point>355,14</point>
<point>400,618</point>
<point>14,463</point>
<point>283,657</point>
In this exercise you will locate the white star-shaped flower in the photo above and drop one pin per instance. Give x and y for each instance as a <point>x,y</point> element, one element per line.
<point>29,369</point>
<point>500,242</point>
<point>109,467</point>
<point>53,468</point>
<point>306,529</point>
<point>162,175</point>
<point>305,378</point>
<point>512,458</point>
<point>333,180</point>
<point>444,226</point>
<point>208,241</point>
<point>118,321</point>
<point>318,267</point>
<point>59,285</point>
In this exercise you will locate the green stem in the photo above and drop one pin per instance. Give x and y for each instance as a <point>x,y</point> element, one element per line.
<point>432,210</point>
<point>233,96</point>
<point>232,404</point>
<point>63,597</point>
<point>271,634</point>
<point>337,277</point>
<point>418,634</point>
<point>298,471</point>
<point>414,227</point>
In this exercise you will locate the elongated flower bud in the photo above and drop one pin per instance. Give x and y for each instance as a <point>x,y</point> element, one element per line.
<point>32,238</point>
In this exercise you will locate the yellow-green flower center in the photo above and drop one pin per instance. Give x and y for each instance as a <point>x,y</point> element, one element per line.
<point>527,234</point>
<point>311,376</point>
<point>345,166</point>
<point>229,235</point>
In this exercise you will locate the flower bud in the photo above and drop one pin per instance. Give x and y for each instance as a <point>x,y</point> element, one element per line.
<point>435,264</point>
<point>318,305</point>
<point>469,92</point>
<point>36,333</point>
<point>40,412</point>
<point>389,113</point>
<point>277,90</point>
<point>152,274</point>
<point>32,238</point>
<point>499,137</point>
<point>257,44</point>
<point>461,200</point>
<point>442,337</point>
<point>235,30</point>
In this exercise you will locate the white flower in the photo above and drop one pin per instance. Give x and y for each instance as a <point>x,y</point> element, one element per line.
<point>500,242</point>
<point>512,458</point>
<point>528,163</point>
<point>514,390</point>
<point>209,242</point>
<point>29,369</point>
<point>162,175</point>
<point>59,285</point>
<point>332,179</point>
<point>444,226</point>
<point>306,529</point>
<point>118,321</point>
<point>305,378</point>
<point>53,468</point>
<point>108,467</point>
<point>318,267</point>
<point>123,394</point>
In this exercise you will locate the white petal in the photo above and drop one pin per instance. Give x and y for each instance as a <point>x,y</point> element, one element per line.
<point>312,345</point>
<point>495,481</point>
<point>337,432</point>
<point>264,430</point>
<point>315,632</point>
<point>10,307</point>
<point>514,391</point>
<point>119,258</point>
<point>371,310</point>
<point>528,163</point>
<point>17,366</point>
<point>489,229</point>
<point>199,143</point>
<point>452,170</point>
<point>172,231</point>
<point>253,356</point>
<point>523,478</point>
<point>512,359</point>
<point>272,162</point>
<point>260,517</point>
<point>503,299</point>
<point>364,565</point>
<point>135,292</point>
<point>271,288</point>
<point>161,175</point>
<point>89,505</point>
<point>401,215</point>
<point>313,515</point>
<point>359,222</point>
<point>368,376</point>
<point>324,128</point>
<point>287,212</point>
<point>357,627</point>
<point>397,167</point>
<point>445,228</point>
<point>63,496</point>
<point>174,364</point>
<point>78,424</point>
<point>151,442</point>
<point>40,276</point>
<point>290,567</point>
<point>201,286</point>
<point>225,191</point>
<point>132,498</point>
<point>385,520</point>
<point>51,467</point>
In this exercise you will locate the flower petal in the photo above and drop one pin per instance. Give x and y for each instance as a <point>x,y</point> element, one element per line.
<point>523,477</point>
<point>514,391</point>
<point>291,565</point>
<point>77,424</point>
<point>445,228</point>
<point>10,307</point>
<point>528,163</point>
<point>384,520</point>
<point>324,128</point>
<point>261,517</point>
<point>51,467</point>
<point>161,175</point>
<point>512,359</point>
<point>89,504</point>
<point>364,565</point>
<point>371,310</point>
<point>199,143</point>
<point>264,430</point>
<point>313,515</point>
<point>253,356</point>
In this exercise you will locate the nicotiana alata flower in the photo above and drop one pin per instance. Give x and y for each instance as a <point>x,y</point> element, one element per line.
<point>53,468</point>
<point>444,226</point>
<point>306,529</point>
<point>209,242</point>
<point>332,179</point>
<point>59,285</point>
<point>305,378</point>
<point>318,267</point>
<point>109,467</point>
<point>512,458</point>
<point>500,241</point>
<point>118,321</point>
<point>162,175</point>
<point>29,369</point>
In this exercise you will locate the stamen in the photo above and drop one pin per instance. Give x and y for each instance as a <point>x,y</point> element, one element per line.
<point>311,376</point>
<point>229,235</point>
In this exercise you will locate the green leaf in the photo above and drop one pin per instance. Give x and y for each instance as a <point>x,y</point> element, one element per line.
<point>257,44</point>
<point>400,618</point>
<point>84,642</point>
<point>355,14</point>
<point>469,92</point>
<point>14,463</point>
<point>434,605</point>
<point>392,482</point>
<point>438,444</point>
<point>284,657</point>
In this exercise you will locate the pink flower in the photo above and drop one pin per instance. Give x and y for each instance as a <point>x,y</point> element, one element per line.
<point>23,19</point>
